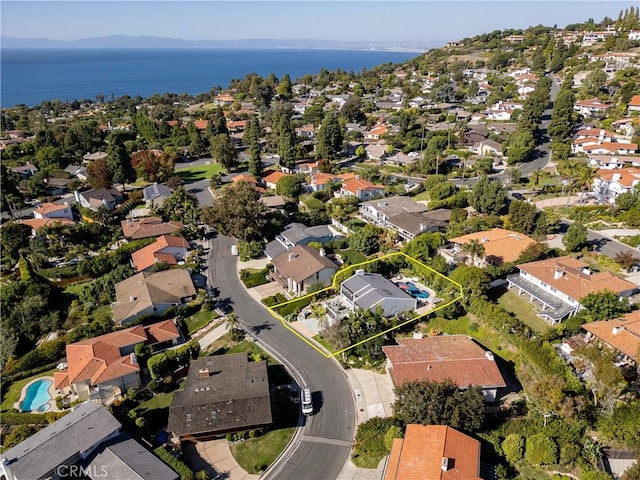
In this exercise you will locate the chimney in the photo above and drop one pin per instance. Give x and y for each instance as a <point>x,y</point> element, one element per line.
<point>360,272</point>
<point>489,355</point>
<point>203,373</point>
<point>423,227</point>
<point>616,177</point>
<point>322,252</point>
<point>292,255</point>
<point>445,464</point>
<point>133,358</point>
<point>417,335</point>
<point>132,298</point>
<point>617,330</point>
<point>485,239</point>
<point>558,273</point>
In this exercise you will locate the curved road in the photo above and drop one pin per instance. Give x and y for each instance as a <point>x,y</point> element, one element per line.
<point>326,439</point>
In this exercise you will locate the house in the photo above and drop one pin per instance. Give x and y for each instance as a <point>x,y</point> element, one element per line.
<point>559,284</point>
<point>91,157</point>
<point>621,334</point>
<point>362,189</point>
<point>151,294</point>
<point>299,234</point>
<point>435,359</point>
<point>634,104</point>
<point>487,147</point>
<point>370,291</point>
<point>274,202</point>
<point>156,194</point>
<point>591,108</point>
<point>250,179</point>
<point>102,368</point>
<point>433,452</point>
<point>123,457</point>
<point>146,227</point>
<point>610,148</point>
<point>500,246</point>
<point>25,171</point>
<point>376,152</point>
<point>608,184</point>
<point>71,443</point>
<point>223,394</point>
<point>307,132</point>
<point>302,266</point>
<point>78,171</point>
<point>401,158</point>
<point>609,162</point>
<point>53,210</point>
<point>404,215</point>
<point>55,186</point>
<point>37,223</point>
<point>271,180</point>
<point>379,129</point>
<point>166,249</point>
<point>109,198</point>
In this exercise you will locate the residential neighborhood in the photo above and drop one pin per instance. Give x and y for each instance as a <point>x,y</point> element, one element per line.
<point>423,270</point>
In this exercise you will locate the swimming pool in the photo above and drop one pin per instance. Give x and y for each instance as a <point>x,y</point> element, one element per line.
<point>37,397</point>
<point>413,290</point>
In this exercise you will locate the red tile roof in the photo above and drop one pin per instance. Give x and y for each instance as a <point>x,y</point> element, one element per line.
<point>573,281</point>
<point>358,185</point>
<point>500,245</point>
<point>201,124</point>
<point>37,223</point>
<point>625,176</point>
<point>419,455</point>
<point>45,208</point>
<point>99,359</point>
<point>275,176</point>
<point>635,101</point>
<point>146,227</point>
<point>623,334</point>
<point>456,357</point>
<point>149,255</point>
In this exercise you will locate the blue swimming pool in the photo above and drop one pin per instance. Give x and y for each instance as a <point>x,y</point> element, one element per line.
<point>37,397</point>
<point>414,291</point>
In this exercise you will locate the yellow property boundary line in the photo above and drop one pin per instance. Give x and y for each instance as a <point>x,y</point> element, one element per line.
<point>334,286</point>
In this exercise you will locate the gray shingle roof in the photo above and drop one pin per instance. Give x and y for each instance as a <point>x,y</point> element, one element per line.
<point>234,396</point>
<point>87,425</point>
<point>371,288</point>
<point>123,458</point>
<point>156,191</point>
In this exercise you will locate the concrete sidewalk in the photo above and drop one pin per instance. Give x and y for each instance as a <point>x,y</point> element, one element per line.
<point>374,397</point>
<point>213,335</point>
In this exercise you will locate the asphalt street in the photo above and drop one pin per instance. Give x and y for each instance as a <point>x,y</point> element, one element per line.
<point>327,436</point>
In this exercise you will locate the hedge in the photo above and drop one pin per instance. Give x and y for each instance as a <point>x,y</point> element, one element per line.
<point>14,418</point>
<point>178,465</point>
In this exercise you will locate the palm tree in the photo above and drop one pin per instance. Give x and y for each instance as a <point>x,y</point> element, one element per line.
<point>535,178</point>
<point>320,313</point>
<point>474,249</point>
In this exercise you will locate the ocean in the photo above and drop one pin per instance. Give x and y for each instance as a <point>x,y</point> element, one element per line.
<point>30,76</point>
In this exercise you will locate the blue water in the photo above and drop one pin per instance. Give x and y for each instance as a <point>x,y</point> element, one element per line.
<point>37,397</point>
<point>414,291</point>
<point>31,76</point>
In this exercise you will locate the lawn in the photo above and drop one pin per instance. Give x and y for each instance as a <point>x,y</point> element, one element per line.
<point>252,349</point>
<point>256,454</point>
<point>422,196</point>
<point>12,394</point>
<point>325,343</point>
<point>252,277</point>
<point>77,288</point>
<point>523,310</point>
<point>156,410</point>
<point>199,172</point>
<point>352,257</point>
<point>199,320</point>
<point>274,300</point>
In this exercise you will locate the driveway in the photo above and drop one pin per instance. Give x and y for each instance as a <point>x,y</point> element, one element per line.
<point>266,290</point>
<point>214,457</point>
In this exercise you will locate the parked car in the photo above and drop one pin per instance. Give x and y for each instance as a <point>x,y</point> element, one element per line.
<point>225,308</point>
<point>306,401</point>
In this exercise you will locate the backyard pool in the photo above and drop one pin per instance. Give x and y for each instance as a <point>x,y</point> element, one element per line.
<point>414,291</point>
<point>37,397</point>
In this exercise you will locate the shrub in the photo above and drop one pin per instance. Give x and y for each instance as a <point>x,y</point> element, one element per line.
<point>249,249</point>
<point>178,465</point>
<point>513,448</point>
<point>370,442</point>
<point>14,418</point>
<point>541,450</point>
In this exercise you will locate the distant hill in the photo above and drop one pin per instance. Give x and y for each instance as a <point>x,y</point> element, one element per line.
<point>123,41</point>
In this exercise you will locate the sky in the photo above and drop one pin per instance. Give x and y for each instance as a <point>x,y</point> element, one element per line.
<point>421,22</point>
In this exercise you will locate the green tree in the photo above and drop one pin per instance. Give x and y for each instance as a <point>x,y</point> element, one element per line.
<point>49,157</point>
<point>329,137</point>
<point>255,160</point>
<point>423,247</point>
<point>223,151</point>
<point>604,305</point>
<point>520,146</point>
<point>575,238</point>
<point>290,186</point>
<point>439,403</point>
<point>238,212</point>
<point>286,142</point>
<point>563,116</point>
<point>522,216</point>
<point>513,448</point>
<point>594,82</point>
<point>475,282</point>
<point>284,88</point>
<point>541,450</point>
<point>488,196</point>
<point>119,161</point>
<point>14,236</point>
<point>474,249</point>
<point>632,473</point>
<point>366,240</point>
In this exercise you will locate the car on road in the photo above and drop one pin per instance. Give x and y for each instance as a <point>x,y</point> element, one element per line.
<point>517,196</point>
<point>225,308</point>
<point>306,401</point>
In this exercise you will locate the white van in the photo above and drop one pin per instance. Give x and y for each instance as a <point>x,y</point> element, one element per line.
<point>234,250</point>
<point>306,402</point>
